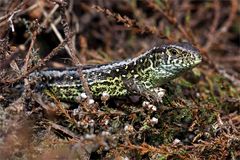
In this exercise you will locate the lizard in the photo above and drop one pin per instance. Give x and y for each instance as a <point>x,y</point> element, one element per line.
<point>143,75</point>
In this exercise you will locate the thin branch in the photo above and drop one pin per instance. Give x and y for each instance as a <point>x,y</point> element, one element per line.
<point>172,20</point>
<point>72,50</point>
<point>10,20</point>
<point>130,23</point>
<point>213,38</point>
<point>39,65</point>
<point>6,62</point>
<point>33,39</point>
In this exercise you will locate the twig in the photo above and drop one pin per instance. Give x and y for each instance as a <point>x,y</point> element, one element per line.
<point>62,109</point>
<point>8,15</point>
<point>33,39</point>
<point>3,25</point>
<point>171,19</point>
<point>72,50</point>
<point>49,15</point>
<point>222,30</point>
<point>39,65</point>
<point>130,23</point>
<point>7,18</point>
<point>4,63</point>
<point>26,61</point>
<point>32,7</point>
<point>235,81</point>
<point>11,18</point>
<point>63,129</point>
<point>214,36</point>
<point>53,26</point>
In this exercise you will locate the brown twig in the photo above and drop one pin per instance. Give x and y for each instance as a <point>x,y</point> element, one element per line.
<point>4,63</point>
<point>63,129</point>
<point>130,23</point>
<point>235,81</point>
<point>72,49</point>
<point>172,20</point>
<point>210,36</point>
<point>62,109</point>
<point>145,148</point>
<point>33,40</point>
<point>41,63</point>
<point>6,20</point>
<point>214,36</point>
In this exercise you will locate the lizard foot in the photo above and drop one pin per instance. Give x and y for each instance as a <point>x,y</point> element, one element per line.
<point>155,95</point>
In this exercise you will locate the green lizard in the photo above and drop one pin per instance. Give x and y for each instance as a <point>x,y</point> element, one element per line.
<point>142,75</point>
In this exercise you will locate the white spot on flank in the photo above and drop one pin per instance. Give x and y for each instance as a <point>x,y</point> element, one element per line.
<point>83,95</point>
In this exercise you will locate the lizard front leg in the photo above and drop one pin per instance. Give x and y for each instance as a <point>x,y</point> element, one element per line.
<point>137,87</point>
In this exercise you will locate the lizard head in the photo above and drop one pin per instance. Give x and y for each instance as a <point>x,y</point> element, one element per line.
<point>183,55</point>
<point>180,57</point>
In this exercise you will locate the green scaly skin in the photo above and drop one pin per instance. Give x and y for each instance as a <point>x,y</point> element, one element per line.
<point>141,75</point>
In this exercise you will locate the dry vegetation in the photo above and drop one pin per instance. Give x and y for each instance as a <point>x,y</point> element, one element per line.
<point>198,119</point>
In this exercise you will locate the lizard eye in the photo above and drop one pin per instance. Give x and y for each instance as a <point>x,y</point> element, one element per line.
<point>174,52</point>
